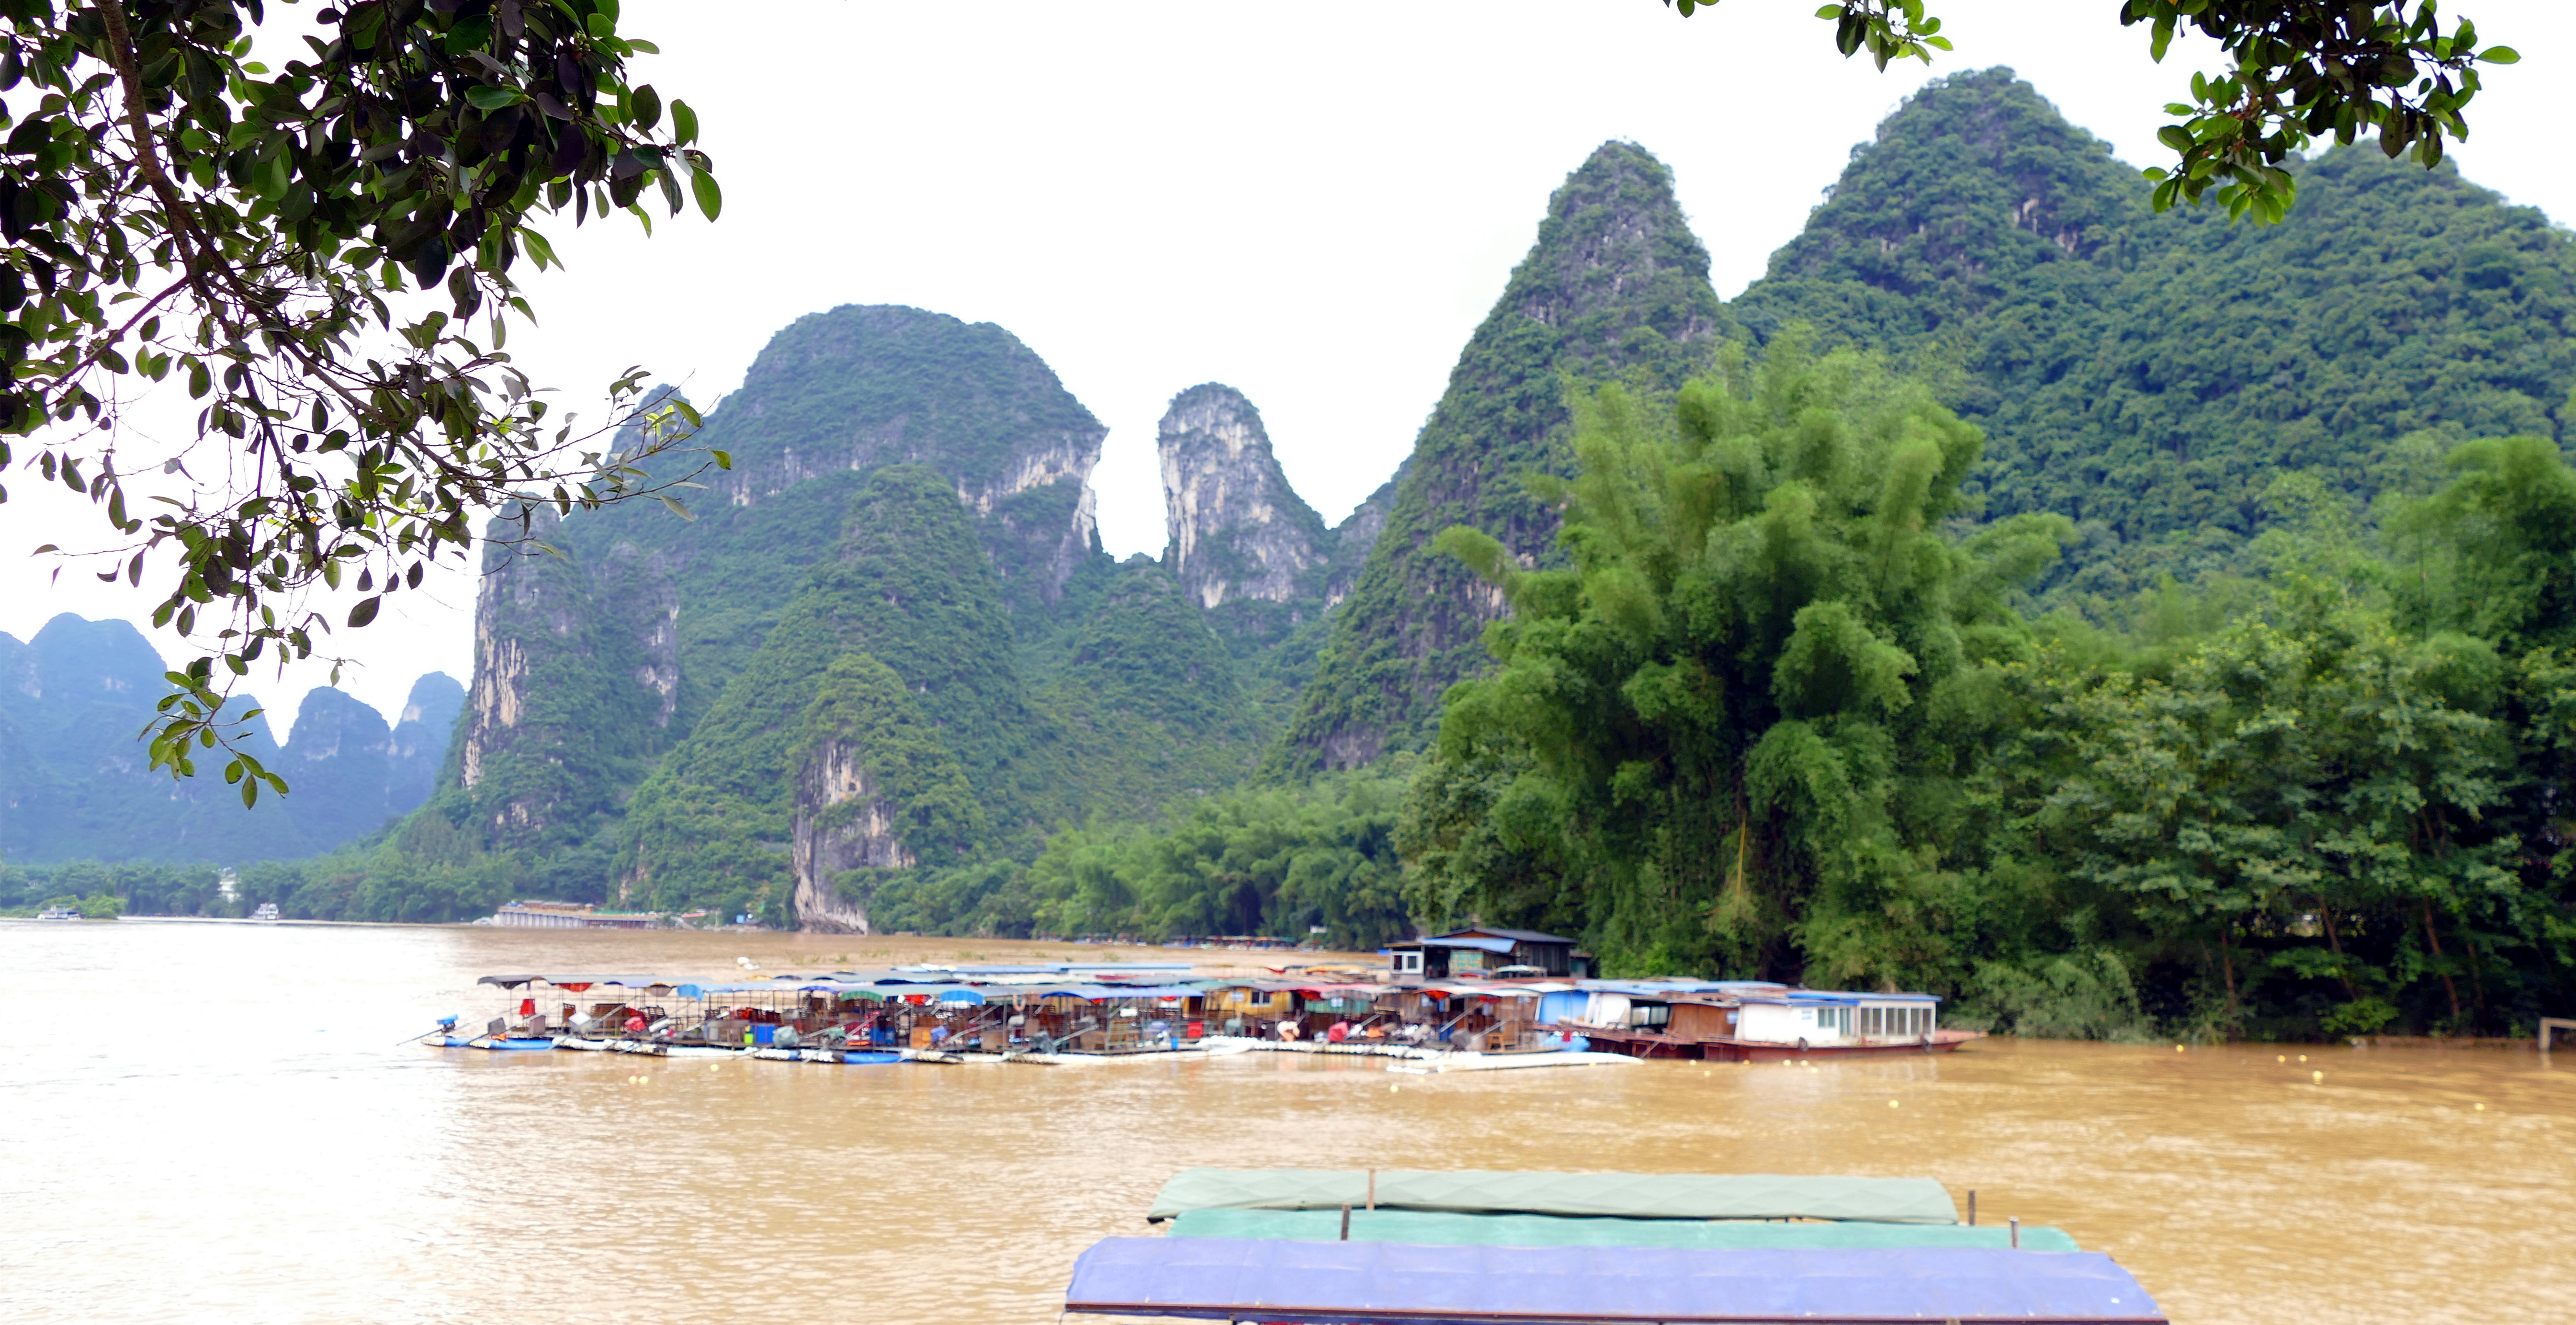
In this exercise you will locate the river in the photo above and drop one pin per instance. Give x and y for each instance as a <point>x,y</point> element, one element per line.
<point>215,1122</point>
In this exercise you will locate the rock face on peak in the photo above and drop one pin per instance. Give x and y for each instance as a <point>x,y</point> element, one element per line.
<point>1616,288</point>
<point>1352,540</point>
<point>868,385</point>
<point>1237,530</point>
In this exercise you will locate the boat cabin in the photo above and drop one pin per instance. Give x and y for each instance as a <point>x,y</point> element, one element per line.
<point>1825,1018</point>
<point>1488,951</point>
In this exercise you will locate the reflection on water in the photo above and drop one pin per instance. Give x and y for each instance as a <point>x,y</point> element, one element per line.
<point>215,1123</point>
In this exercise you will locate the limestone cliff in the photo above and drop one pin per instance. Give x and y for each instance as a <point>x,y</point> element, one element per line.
<point>864,386</point>
<point>1616,288</point>
<point>847,742</point>
<point>843,822</point>
<point>1353,539</point>
<point>572,681</point>
<point>1236,529</point>
<point>630,634</point>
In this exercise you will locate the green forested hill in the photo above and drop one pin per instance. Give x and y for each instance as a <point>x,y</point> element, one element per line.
<point>887,642</point>
<point>716,818</point>
<point>2149,375</point>
<point>1615,288</point>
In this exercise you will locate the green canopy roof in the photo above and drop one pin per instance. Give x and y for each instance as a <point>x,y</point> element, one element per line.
<point>1547,1231</point>
<point>1616,1195</point>
<point>1444,1229</point>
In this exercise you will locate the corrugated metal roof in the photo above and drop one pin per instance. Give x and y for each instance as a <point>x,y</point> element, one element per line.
<point>1518,935</point>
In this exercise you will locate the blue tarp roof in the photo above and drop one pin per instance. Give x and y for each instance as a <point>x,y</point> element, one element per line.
<point>1359,1283</point>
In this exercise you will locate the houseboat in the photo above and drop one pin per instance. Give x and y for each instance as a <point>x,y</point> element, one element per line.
<point>1752,1022</point>
<point>59,913</point>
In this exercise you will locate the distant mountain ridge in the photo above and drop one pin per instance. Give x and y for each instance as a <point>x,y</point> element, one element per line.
<point>74,782</point>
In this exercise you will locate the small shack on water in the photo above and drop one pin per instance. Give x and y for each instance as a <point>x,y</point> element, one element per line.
<point>1485,950</point>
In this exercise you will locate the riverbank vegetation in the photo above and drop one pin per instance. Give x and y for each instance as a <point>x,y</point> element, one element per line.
<point>1771,718</point>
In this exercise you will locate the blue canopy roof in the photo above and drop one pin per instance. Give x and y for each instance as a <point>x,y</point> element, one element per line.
<point>1486,944</point>
<point>1360,1283</point>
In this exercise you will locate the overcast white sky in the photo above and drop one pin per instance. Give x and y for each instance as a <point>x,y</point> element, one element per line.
<point>1315,203</point>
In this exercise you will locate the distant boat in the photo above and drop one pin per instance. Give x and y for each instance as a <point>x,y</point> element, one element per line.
<point>59,913</point>
<point>267,911</point>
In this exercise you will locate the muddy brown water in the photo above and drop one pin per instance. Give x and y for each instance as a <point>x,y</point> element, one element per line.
<point>203,1122</point>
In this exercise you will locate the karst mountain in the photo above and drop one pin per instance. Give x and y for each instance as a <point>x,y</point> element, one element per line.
<point>889,658</point>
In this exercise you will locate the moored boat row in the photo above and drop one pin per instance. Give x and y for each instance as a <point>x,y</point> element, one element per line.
<point>1523,1014</point>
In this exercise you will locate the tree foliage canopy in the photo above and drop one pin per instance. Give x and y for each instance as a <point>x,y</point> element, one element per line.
<point>1729,719</point>
<point>1779,715</point>
<point>174,209</point>
<point>2303,70</point>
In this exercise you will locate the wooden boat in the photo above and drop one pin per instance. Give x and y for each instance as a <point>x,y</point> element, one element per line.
<point>1765,1051</point>
<point>1470,1060</point>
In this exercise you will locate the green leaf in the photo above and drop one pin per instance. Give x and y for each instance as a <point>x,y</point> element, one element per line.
<point>676,507</point>
<point>540,251</point>
<point>710,198</point>
<point>365,611</point>
<point>647,105</point>
<point>489,99</point>
<point>2500,55</point>
<point>684,122</point>
<point>724,459</point>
